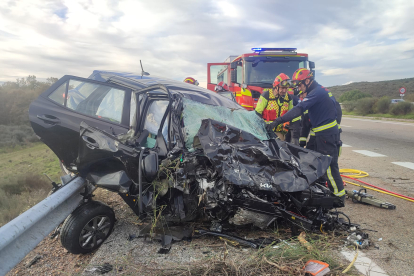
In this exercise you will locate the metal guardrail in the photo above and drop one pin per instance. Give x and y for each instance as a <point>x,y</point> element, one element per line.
<point>22,234</point>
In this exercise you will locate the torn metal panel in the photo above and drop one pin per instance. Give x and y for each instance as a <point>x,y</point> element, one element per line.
<point>243,159</point>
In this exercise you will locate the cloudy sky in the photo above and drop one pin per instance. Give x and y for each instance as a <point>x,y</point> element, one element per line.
<point>348,40</point>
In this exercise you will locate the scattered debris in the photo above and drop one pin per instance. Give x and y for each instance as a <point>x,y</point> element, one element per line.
<point>166,241</point>
<point>131,237</point>
<point>316,268</point>
<point>33,261</point>
<point>358,239</point>
<point>56,232</point>
<point>101,269</point>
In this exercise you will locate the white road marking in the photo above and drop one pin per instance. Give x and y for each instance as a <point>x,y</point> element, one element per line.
<point>380,121</point>
<point>409,165</point>
<point>364,264</point>
<point>344,125</point>
<point>369,153</point>
<point>346,146</point>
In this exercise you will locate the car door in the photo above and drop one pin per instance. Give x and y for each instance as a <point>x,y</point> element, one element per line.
<point>105,153</point>
<point>56,114</point>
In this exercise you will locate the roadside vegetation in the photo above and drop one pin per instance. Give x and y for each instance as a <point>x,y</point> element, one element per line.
<point>355,102</point>
<point>23,159</point>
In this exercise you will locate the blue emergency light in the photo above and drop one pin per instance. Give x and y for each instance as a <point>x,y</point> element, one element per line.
<point>273,49</point>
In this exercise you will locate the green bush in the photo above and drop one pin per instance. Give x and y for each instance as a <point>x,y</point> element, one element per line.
<point>353,95</point>
<point>365,106</point>
<point>11,136</point>
<point>409,97</point>
<point>349,106</point>
<point>401,108</point>
<point>383,105</point>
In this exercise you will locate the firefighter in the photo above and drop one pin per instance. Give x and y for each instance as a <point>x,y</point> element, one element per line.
<point>322,113</point>
<point>191,80</point>
<point>294,126</point>
<point>307,129</point>
<point>275,102</point>
<point>221,86</point>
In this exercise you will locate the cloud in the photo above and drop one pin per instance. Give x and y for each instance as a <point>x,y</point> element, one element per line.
<point>352,40</point>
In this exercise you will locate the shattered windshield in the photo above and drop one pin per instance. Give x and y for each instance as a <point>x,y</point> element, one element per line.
<point>195,112</point>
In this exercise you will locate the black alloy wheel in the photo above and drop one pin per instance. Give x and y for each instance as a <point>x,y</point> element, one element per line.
<point>87,227</point>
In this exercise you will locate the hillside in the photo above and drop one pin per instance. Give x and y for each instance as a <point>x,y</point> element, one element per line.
<point>376,89</point>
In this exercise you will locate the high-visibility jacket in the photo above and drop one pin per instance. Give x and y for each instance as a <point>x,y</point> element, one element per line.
<point>271,107</point>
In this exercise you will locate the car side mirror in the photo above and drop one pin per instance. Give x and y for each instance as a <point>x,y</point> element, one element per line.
<point>150,166</point>
<point>311,65</point>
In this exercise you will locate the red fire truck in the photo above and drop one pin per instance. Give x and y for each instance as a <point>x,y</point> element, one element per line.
<point>248,74</point>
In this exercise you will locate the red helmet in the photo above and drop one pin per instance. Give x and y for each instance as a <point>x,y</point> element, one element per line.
<point>191,80</point>
<point>221,86</point>
<point>300,75</point>
<point>282,80</point>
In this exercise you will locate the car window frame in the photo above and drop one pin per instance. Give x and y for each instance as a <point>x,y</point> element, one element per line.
<point>126,104</point>
<point>148,99</point>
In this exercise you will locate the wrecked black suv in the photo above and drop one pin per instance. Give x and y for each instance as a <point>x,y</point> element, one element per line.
<point>178,150</point>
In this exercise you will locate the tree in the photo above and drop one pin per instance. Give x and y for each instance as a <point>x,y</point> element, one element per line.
<point>51,80</point>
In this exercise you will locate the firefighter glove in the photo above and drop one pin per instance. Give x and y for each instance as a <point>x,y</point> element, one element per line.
<point>274,124</point>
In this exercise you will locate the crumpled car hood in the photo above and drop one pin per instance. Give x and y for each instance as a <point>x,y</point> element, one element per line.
<point>272,165</point>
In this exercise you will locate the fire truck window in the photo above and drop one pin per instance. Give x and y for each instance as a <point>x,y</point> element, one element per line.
<point>239,74</point>
<point>264,72</point>
<point>218,73</point>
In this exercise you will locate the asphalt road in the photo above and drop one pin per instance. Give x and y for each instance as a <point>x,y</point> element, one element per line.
<point>395,139</point>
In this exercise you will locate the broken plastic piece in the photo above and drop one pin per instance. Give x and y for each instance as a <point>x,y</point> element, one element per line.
<point>164,250</point>
<point>33,261</point>
<point>101,269</point>
<point>316,268</point>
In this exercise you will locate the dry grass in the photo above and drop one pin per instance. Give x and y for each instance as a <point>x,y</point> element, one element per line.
<point>285,258</point>
<point>22,183</point>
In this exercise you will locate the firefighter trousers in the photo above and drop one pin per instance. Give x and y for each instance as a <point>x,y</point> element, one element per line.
<point>328,145</point>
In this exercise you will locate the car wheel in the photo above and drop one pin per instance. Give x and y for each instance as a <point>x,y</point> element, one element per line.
<point>87,227</point>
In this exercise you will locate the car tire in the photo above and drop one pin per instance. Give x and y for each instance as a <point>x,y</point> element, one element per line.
<point>87,227</point>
